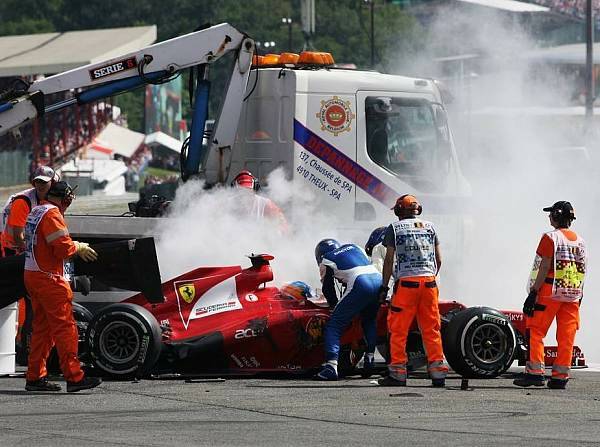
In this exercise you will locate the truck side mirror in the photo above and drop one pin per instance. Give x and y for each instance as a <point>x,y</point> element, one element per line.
<point>441,123</point>
<point>441,119</point>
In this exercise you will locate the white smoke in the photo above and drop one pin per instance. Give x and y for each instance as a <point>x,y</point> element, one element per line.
<point>212,228</point>
<point>513,162</point>
<point>518,158</point>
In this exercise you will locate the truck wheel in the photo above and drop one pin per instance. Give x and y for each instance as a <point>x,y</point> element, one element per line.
<point>124,340</point>
<point>479,342</point>
<point>82,318</point>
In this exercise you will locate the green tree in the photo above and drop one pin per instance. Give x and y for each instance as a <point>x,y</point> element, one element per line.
<point>28,16</point>
<point>345,31</point>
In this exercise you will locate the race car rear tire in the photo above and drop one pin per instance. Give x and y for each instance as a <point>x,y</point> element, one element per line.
<point>82,317</point>
<point>124,340</point>
<point>479,342</point>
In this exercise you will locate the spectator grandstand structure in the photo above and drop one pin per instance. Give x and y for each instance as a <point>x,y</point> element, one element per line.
<point>572,8</point>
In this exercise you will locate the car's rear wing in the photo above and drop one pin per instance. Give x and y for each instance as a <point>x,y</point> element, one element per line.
<point>127,264</point>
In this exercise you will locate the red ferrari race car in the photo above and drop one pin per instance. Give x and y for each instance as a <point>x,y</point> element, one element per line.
<point>228,320</point>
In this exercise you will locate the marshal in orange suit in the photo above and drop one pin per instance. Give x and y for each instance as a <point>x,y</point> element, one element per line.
<point>47,246</point>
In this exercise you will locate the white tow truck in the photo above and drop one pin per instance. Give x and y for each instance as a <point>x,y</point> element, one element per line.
<point>358,139</point>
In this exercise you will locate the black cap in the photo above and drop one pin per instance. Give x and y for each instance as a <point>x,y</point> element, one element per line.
<point>561,208</point>
<point>60,189</point>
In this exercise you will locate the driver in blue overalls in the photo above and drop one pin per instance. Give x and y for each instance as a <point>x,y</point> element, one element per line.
<point>349,265</point>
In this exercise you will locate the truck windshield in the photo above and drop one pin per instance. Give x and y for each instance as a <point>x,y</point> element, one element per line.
<point>410,138</point>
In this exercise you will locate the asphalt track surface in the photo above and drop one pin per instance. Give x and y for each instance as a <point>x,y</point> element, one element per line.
<point>281,412</point>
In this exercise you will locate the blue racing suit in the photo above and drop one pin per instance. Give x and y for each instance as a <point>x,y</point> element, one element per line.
<point>350,265</point>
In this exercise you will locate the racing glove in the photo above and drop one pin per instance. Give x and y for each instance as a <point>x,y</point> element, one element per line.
<point>529,304</point>
<point>85,252</point>
<point>383,293</point>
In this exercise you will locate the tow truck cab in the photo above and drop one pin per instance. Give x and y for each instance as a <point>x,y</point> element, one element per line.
<point>355,139</point>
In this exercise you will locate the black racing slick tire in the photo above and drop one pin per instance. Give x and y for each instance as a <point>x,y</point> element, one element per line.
<point>479,342</point>
<point>82,317</point>
<point>124,340</point>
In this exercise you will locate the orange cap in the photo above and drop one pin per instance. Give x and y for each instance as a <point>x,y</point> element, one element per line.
<point>406,201</point>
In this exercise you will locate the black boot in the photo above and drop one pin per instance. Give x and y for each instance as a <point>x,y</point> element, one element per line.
<point>438,383</point>
<point>557,384</point>
<point>42,385</point>
<point>84,384</point>
<point>530,380</point>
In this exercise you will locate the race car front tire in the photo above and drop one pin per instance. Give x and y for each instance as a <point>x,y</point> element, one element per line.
<point>124,340</point>
<point>479,342</point>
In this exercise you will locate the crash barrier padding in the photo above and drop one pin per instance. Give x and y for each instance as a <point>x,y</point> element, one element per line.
<point>8,332</point>
<point>128,264</point>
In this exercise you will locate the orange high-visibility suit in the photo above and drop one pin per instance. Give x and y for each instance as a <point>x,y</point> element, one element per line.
<point>416,296</point>
<point>414,242</point>
<point>565,309</point>
<point>14,216</point>
<point>48,244</point>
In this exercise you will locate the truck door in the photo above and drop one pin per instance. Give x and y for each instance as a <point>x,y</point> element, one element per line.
<point>404,142</point>
<point>325,150</point>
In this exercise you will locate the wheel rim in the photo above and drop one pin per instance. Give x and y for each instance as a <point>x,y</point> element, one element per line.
<point>119,342</point>
<point>488,343</point>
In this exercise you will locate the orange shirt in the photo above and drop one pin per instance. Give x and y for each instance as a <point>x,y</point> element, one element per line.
<point>19,211</point>
<point>546,247</point>
<point>54,244</point>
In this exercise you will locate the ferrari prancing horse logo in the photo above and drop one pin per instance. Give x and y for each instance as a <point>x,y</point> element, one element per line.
<point>187,292</point>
